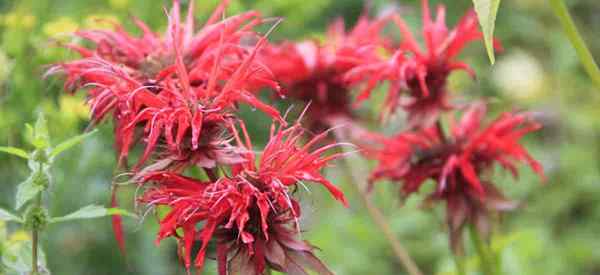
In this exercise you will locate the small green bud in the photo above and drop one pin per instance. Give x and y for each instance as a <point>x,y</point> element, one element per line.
<point>36,218</point>
<point>40,156</point>
<point>42,178</point>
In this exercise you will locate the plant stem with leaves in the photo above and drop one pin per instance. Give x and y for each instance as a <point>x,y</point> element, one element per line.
<point>35,218</point>
<point>584,54</point>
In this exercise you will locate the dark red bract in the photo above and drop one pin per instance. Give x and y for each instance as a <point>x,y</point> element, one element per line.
<point>457,163</point>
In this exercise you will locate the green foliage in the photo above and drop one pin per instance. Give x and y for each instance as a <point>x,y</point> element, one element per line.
<point>486,12</point>
<point>15,253</point>
<point>36,217</point>
<point>7,216</point>
<point>91,212</point>
<point>69,143</point>
<point>30,188</point>
<point>38,135</point>
<point>14,151</point>
<point>585,56</point>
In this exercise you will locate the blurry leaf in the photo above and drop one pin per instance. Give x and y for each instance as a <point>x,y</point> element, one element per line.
<point>3,233</point>
<point>583,52</point>
<point>91,212</point>
<point>486,12</point>
<point>38,135</point>
<point>70,143</point>
<point>27,190</point>
<point>14,151</point>
<point>7,216</point>
<point>17,258</point>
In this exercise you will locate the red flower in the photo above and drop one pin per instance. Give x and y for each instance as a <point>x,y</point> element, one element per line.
<point>421,73</point>
<point>174,87</point>
<point>249,214</point>
<point>457,164</point>
<point>313,72</point>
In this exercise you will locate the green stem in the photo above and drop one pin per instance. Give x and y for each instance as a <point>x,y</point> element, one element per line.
<point>35,240</point>
<point>400,252</point>
<point>584,54</point>
<point>459,261</point>
<point>483,251</point>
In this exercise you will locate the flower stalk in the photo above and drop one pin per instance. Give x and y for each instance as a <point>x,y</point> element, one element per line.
<point>35,231</point>
<point>585,56</point>
<point>459,262</point>
<point>400,252</point>
<point>483,251</point>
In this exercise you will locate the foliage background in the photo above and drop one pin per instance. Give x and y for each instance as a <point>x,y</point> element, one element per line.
<point>557,231</point>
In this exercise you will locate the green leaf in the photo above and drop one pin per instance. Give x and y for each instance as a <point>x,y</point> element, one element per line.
<point>27,190</point>
<point>5,215</point>
<point>70,143</point>
<point>486,12</point>
<point>17,257</point>
<point>14,151</point>
<point>583,52</point>
<point>91,212</point>
<point>38,135</point>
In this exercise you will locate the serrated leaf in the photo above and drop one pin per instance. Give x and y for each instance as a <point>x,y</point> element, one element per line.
<point>27,190</point>
<point>5,215</point>
<point>91,212</point>
<point>70,143</point>
<point>486,13</point>
<point>15,151</point>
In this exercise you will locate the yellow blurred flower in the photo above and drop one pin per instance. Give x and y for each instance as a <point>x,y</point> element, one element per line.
<point>18,20</point>
<point>60,26</point>
<point>119,4</point>
<point>19,236</point>
<point>100,21</point>
<point>73,107</point>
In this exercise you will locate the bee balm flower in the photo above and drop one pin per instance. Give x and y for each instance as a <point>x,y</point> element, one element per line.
<point>177,90</point>
<point>458,163</point>
<point>313,72</point>
<point>250,214</point>
<point>421,74</point>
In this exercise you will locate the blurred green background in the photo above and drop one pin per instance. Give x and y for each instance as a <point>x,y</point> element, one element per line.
<point>557,232</point>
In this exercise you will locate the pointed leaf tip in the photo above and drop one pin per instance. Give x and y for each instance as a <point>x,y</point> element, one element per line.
<point>486,13</point>
<point>5,215</point>
<point>14,151</point>
<point>39,135</point>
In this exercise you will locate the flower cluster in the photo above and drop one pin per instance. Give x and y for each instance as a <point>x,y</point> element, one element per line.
<point>177,95</point>
<point>420,73</point>
<point>457,161</point>
<point>249,212</point>
<point>314,71</point>
<point>176,90</point>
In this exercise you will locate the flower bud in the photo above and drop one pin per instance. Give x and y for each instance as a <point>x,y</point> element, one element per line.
<point>40,156</point>
<point>36,218</point>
